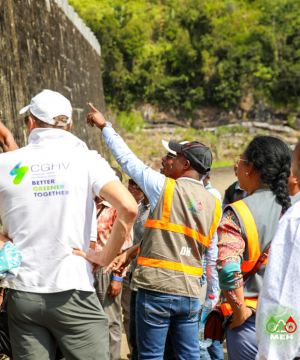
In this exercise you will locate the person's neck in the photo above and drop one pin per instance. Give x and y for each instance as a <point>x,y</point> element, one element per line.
<point>254,188</point>
<point>192,174</point>
<point>295,191</point>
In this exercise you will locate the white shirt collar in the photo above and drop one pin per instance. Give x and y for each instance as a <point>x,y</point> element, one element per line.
<point>188,178</point>
<point>45,137</point>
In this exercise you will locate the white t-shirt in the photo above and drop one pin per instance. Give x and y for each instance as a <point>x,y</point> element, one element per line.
<point>46,205</point>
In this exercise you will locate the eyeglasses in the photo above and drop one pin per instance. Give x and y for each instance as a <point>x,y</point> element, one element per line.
<point>237,160</point>
<point>171,156</point>
<point>133,183</point>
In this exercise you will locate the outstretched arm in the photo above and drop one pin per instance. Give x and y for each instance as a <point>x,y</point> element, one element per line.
<point>149,180</point>
<point>7,141</point>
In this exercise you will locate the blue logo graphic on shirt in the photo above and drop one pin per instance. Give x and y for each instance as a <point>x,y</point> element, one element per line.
<point>20,172</point>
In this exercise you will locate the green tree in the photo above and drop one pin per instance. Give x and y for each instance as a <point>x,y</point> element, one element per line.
<point>189,53</point>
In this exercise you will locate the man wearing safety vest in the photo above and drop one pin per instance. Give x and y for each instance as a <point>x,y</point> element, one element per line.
<point>181,227</point>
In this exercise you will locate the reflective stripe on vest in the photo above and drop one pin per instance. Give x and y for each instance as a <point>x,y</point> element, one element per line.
<point>252,236</point>
<point>164,223</point>
<point>170,265</point>
<point>227,310</point>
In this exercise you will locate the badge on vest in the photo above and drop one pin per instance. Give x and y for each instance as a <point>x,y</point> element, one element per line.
<point>185,251</point>
<point>195,206</point>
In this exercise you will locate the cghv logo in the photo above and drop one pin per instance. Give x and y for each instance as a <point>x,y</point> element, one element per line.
<point>20,172</point>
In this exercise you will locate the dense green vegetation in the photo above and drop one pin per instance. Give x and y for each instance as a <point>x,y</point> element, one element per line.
<point>190,53</point>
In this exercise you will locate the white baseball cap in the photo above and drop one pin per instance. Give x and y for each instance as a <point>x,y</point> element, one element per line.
<point>166,145</point>
<point>47,105</point>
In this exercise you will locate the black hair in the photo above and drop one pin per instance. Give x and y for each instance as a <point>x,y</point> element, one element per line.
<point>118,173</point>
<point>271,158</point>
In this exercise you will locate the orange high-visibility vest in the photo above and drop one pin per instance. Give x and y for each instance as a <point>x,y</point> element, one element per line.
<point>165,225</point>
<point>227,310</point>
<point>253,250</point>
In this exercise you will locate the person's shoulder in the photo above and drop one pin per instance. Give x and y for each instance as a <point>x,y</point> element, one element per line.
<point>11,155</point>
<point>231,187</point>
<point>293,213</point>
<point>91,156</point>
<point>215,192</point>
<point>291,218</point>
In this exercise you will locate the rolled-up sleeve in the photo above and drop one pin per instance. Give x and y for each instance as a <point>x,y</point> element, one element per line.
<point>231,249</point>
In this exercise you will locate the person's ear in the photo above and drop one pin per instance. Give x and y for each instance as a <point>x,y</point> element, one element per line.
<point>70,125</point>
<point>250,170</point>
<point>187,164</point>
<point>31,124</point>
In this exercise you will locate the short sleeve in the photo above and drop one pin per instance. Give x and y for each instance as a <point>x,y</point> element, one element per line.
<point>100,172</point>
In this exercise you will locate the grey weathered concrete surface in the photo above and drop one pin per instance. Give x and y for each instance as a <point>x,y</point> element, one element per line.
<point>41,48</point>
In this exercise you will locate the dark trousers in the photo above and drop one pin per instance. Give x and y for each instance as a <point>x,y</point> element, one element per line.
<point>71,319</point>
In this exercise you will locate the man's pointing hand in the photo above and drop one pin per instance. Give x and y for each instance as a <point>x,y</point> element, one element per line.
<point>95,118</point>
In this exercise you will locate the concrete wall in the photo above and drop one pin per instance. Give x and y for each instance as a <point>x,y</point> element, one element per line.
<point>44,45</point>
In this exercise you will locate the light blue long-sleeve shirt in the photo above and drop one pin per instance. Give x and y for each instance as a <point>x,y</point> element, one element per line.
<point>152,183</point>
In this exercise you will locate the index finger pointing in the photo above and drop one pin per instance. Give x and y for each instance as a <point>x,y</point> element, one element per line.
<point>93,108</point>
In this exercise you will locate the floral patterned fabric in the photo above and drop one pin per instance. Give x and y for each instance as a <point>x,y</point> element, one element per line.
<point>106,216</point>
<point>231,248</point>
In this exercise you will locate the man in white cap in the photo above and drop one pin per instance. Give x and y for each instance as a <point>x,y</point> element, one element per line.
<point>46,204</point>
<point>180,229</point>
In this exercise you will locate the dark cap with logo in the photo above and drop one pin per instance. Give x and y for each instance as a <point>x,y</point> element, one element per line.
<point>199,155</point>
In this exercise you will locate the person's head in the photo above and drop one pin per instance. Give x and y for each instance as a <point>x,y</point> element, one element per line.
<point>167,160</point>
<point>135,191</point>
<point>266,163</point>
<point>118,173</point>
<point>48,109</point>
<point>190,159</point>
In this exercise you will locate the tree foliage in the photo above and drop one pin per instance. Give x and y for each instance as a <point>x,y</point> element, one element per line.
<point>190,53</point>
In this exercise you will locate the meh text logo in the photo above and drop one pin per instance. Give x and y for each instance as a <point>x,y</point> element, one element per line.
<point>20,172</point>
<point>281,330</point>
